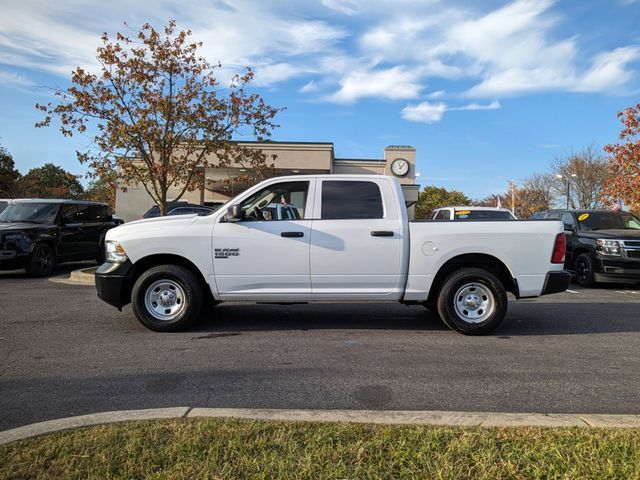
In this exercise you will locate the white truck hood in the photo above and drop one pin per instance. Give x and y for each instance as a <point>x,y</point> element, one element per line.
<point>148,225</point>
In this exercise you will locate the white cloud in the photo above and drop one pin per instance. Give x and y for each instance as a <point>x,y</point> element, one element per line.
<point>436,94</point>
<point>393,83</point>
<point>495,105</point>
<point>609,70</point>
<point>268,75</point>
<point>309,87</point>
<point>15,79</point>
<point>345,50</point>
<point>427,112</point>
<point>424,112</point>
<point>44,36</point>
<point>348,7</point>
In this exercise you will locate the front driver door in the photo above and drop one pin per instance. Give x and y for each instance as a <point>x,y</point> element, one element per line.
<point>262,256</point>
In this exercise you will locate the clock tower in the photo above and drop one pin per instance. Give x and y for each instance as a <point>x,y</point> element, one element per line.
<point>400,162</point>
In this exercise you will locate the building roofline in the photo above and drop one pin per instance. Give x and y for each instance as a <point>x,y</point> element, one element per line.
<point>377,160</point>
<point>279,142</point>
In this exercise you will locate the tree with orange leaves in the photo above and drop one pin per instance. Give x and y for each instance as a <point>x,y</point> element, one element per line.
<point>158,113</point>
<point>624,163</point>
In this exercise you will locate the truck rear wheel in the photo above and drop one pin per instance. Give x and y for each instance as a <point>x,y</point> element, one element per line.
<point>472,301</point>
<point>167,298</point>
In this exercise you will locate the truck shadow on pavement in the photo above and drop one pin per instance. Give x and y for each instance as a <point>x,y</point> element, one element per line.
<point>530,319</point>
<point>343,316</point>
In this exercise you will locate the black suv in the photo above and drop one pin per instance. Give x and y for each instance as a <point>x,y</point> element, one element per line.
<point>38,234</point>
<point>602,245</point>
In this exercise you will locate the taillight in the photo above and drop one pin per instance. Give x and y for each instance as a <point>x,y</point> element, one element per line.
<point>559,249</point>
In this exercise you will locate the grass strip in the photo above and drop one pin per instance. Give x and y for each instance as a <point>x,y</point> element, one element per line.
<point>238,449</point>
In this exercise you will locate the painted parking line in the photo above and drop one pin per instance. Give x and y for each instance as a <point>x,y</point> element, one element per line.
<point>572,291</point>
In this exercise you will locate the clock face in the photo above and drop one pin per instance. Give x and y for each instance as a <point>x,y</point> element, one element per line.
<point>400,167</point>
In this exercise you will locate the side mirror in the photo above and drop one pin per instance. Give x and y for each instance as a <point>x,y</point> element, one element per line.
<point>234,213</point>
<point>569,228</point>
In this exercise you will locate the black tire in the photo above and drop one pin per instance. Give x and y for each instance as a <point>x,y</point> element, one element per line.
<point>461,292</point>
<point>42,261</point>
<point>150,303</point>
<point>585,275</point>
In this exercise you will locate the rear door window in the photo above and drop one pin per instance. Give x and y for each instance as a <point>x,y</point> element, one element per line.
<point>351,200</point>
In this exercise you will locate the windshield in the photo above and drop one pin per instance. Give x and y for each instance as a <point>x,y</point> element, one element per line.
<point>607,220</point>
<point>483,215</point>
<point>30,212</point>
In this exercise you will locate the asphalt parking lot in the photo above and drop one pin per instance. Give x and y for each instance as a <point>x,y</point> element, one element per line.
<point>63,352</point>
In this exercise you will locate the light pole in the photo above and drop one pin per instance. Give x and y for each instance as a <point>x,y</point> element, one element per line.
<point>567,178</point>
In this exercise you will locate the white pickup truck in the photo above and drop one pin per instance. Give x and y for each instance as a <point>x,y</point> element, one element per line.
<point>352,242</point>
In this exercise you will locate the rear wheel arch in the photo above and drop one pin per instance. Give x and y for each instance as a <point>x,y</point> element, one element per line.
<point>473,260</point>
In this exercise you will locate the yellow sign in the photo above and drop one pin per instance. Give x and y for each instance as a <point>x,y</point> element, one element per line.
<point>463,212</point>
<point>584,216</point>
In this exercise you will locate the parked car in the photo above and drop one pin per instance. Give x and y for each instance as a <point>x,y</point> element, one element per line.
<point>4,203</point>
<point>352,242</point>
<point>472,213</point>
<point>179,208</point>
<point>602,245</point>
<point>38,234</point>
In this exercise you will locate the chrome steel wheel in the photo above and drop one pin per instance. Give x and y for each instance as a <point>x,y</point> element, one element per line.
<point>165,299</point>
<point>474,302</point>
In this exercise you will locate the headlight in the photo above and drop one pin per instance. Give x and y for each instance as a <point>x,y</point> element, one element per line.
<point>115,252</point>
<point>608,247</point>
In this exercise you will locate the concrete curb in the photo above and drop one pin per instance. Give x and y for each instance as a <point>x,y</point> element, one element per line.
<point>83,276</point>
<point>383,417</point>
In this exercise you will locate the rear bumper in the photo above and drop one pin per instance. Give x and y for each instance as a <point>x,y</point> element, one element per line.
<point>112,283</point>
<point>556,282</point>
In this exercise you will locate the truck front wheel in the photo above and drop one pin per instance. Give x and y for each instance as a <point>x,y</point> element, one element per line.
<point>472,301</point>
<point>166,298</point>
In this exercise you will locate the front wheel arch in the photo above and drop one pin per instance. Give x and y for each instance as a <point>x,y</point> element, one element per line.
<point>146,263</point>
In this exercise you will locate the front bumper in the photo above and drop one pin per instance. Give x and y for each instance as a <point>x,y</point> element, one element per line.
<point>556,282</point>
<point>112,283</point>
<point>617,270</point>
<point>12,259</point>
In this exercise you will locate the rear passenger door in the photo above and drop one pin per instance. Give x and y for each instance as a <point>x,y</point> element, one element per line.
<point>356,240</point>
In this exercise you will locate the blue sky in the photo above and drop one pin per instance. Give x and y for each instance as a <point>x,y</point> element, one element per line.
<point>486,91</point>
